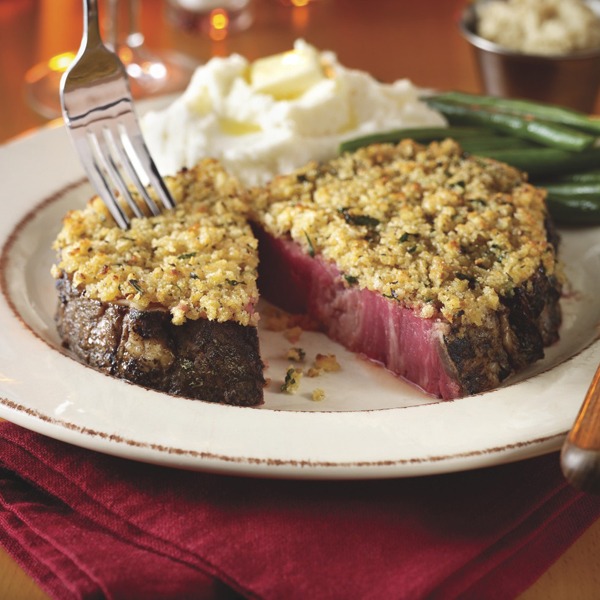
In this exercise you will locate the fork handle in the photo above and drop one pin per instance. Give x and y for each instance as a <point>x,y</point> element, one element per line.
<point>91,23</point>
<point>580,456</point>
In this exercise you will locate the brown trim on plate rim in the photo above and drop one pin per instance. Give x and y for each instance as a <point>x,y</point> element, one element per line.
<point>271,462</point>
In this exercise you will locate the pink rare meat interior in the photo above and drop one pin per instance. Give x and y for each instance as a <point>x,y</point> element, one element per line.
<point>361,320</point>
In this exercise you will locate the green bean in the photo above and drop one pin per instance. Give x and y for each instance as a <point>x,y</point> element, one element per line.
<point>577,189</point>
<point>494,142</point>
<point>574,203</point>
<point>566,210</point>
<point>553,135</point>
<point>419,134</point>
<point>528,108</point>
<point>591,176</point>
<point>539,163</point>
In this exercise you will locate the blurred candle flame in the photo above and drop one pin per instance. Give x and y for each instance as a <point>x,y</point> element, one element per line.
<point>218,24</point>
<point>125,54</point>
<point>296,3</point>
<point>60,62</point>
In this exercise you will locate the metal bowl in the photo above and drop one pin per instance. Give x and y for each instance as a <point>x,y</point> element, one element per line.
<point>570,80</point>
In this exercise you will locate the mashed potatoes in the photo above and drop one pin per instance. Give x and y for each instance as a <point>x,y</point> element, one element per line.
<point>547,27</point>
<point>274,115</point>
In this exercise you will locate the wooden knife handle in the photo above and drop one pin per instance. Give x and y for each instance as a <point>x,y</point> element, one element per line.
<point>580,456</point>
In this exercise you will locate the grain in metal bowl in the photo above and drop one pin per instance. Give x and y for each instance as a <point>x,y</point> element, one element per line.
<point>570,79</point>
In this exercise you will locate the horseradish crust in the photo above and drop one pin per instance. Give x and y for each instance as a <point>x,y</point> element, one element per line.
<point>196,261</point>
<point>440,232</point>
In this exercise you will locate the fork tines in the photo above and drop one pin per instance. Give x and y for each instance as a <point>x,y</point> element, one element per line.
<point>118,163</point>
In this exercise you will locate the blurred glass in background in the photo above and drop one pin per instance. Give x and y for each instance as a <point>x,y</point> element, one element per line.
<point>215,18</point>
<point>151,72</point>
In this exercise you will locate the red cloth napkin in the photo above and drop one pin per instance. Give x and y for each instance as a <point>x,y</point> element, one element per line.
<point>87,525</point>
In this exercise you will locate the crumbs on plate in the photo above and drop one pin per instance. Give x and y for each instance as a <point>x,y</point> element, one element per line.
<point>318,394</point>
<point>323,363</point>
<point>291,383</point>
<point>296,354</point>
<point>292,326</point>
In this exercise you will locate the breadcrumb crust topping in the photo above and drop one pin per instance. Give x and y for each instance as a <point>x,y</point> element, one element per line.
<point>197,261</point>
<point>444,233</point>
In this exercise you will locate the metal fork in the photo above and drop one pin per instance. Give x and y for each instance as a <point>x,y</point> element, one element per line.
<point>98,109</point>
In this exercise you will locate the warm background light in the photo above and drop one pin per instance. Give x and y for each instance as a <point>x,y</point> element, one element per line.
<point>296,3</point>
<point>60,63</point>
<point>219,23</point>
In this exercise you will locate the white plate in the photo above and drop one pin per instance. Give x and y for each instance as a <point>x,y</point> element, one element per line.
<point>369,425</point>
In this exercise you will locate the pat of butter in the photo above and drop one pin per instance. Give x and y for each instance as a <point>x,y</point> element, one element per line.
<point>233,127</point>
<point>287,75</point>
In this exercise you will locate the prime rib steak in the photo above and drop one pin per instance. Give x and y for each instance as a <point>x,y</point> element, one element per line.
<point>440,266</point>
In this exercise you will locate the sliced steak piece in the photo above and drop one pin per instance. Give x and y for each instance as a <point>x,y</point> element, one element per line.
<point>169,303</point>
<point>440,267</point>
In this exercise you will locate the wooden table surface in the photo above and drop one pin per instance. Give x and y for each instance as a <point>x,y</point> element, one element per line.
<point>391,39</point>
